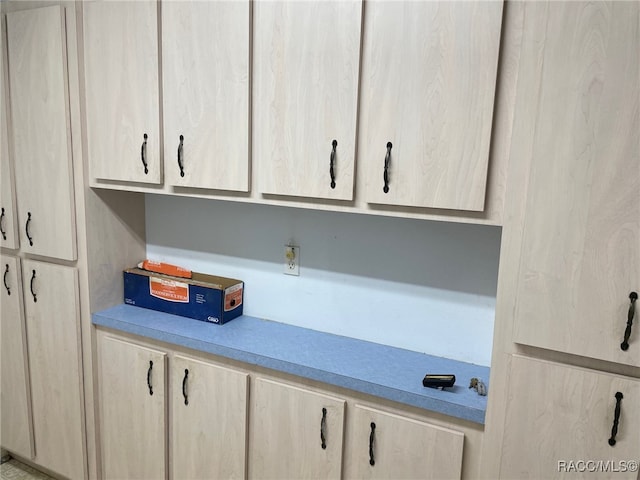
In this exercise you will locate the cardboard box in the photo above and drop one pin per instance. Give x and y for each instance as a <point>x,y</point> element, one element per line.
<point>204,297</point>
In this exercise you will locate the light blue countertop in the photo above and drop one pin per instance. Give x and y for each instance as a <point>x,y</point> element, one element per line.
<point>386,372</point>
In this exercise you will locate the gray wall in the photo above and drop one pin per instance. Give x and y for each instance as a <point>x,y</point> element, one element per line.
<point>415,284</point>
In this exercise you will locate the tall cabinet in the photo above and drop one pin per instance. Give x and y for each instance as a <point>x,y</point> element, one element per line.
<point>42,391</point>
<point>41,134</point>
<point>9,237</point>
<point>570,271</point>
<point>15,413</point>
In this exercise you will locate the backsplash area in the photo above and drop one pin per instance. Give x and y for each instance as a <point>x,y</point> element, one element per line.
<point>420,285</point>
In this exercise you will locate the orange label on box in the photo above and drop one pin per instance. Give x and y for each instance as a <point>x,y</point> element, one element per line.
<point>169,290</point>
<point>233,297</point>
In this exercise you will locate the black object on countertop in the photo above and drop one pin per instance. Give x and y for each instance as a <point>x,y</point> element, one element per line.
<point>438,381</point>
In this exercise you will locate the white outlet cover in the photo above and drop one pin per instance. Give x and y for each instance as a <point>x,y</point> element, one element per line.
<point>291,260</point>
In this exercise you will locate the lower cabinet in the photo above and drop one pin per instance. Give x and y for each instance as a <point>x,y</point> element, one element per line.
<point>159,407</point>
<point>567,420</point>
<point>208,420</point>
<point>15,416</point>
<point>52,308</point>
<point>384,445</point>
<point>207,430</point>
<point>132,410</point>
<point>294,433</point>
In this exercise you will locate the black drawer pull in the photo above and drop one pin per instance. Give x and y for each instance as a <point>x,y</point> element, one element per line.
<point>332,162</point>
<point>27,229</point>
<point>143,154</point>
<point>149,377</point>
<point>616,419</point>
<point>2,230</point>
<point>6,272</point>
<point>633,296</point>
<point>323,428</point>
<point>33,279</point>
<point>180,157</point>
<point>387,161</point>
<point>372,441</point>
<point>184,386</point>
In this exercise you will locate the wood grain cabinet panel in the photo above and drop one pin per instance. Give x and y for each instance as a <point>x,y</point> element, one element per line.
<point>384,445</point>
<point>121,57</point>
<point>580,259</point>
<point>15,413</point>
<point>427,88</point>
<point>559,420</point>
<point>208,420</point>
<point>41,132</point>
<point>132,410</point>
<point>205,73</point>
<point>306,58</point>
<point>288,425</point>
<point>9,237</point>
<point>52,310</point>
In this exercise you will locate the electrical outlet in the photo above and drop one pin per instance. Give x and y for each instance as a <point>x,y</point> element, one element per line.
<point>291,260</point>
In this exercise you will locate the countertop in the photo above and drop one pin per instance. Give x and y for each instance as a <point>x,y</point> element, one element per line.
<point>380,370</point>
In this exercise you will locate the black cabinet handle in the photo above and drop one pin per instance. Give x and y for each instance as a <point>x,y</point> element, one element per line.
<point>2,230</point>
<point>6,272</point>
<point>332,161</point>
<point>143,154</point>
<point>26,229</point>
<point>387,160</point>
<point>372,441</point>
<point>180,157</point>
<point>633,296</point>
<point>184,386</point>
<point>616,419</point>
<point>323,427</point>
<point>149,377</point>
<point>33,279</point>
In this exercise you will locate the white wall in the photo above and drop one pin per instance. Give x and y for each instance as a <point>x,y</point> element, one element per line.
<point>415,284</point>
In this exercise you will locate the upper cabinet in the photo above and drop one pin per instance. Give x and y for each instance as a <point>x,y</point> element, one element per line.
<point>306,58</point>
<point>426,109</point>
<point>8,217</point>
<point>41,132</point>
<point>580,261</point>
<point>122,90</point>
<point>205,74</point>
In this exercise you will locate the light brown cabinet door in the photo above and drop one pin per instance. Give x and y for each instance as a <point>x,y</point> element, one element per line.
<point>122,90</point>
<point>133,422</point>
<point>428,84</point>
<point>8,218</point>
<point>41,132</point>
<point>52,308</point>
<point>15,413</point>
<point>559,421</point>
<point>580,256</point>
<point>208,420</point>
<point>306,58</point>
<point>384,445</point>
<point>205,74</point>
<point>289,427</point>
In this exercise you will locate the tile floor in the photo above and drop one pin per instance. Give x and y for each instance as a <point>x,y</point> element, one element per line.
<point>14,470</point>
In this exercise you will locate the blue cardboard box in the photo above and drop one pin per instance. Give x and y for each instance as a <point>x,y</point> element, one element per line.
<point>204,297</point>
